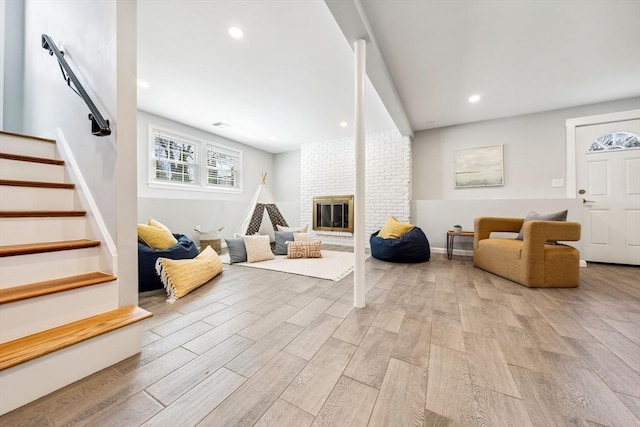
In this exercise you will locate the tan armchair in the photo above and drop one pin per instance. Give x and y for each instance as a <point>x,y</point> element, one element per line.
<point>530,261</point>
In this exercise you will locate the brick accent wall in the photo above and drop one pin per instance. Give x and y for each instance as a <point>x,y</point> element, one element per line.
<point>328,168</point>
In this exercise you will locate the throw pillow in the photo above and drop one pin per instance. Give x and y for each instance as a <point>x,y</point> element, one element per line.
<point>533,216</point>
<point>258,248</point>
<point>302,229</point>
<point>304,249</point>
<point>157,224</point>
<point>181,276</point>
<point>155,237</point>
<point>302,237</point>
<point>282,237</point>
<point>394,229</point>
<point>237,250</point>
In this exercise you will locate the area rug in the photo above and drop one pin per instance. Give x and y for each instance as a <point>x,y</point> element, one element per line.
<point>333,265</point>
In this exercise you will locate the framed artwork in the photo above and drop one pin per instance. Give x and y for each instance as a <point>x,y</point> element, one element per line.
<point>479,167</point>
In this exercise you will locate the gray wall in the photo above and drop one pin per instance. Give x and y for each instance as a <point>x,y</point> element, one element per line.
<point>534,154</point>
<point>285,185</point>
<point>182,210</point>
<point>86,31</point>
<point>99,42</point>
<point>12,63</point>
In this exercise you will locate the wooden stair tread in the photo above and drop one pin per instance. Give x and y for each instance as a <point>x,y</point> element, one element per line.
<point>39,184</point>
<point>32,159</point>
<point>34,248</point>
<point>40,214</point>
<point>32,290</point>
<point>22,135</point>
<point>39,344</point>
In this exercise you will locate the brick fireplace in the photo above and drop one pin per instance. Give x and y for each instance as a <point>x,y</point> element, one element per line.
<point>327,168</point>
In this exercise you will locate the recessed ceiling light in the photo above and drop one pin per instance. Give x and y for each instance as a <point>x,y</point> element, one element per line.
<point>343,124</point>
<point>273,138</point>
<point>236,32</point>
<point>143,84</point>
<point>474,98</point>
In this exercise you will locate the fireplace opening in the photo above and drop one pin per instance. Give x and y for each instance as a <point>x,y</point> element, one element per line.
<point>333,213</point>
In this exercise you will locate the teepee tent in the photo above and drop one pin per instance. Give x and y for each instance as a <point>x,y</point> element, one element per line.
<point>263,215</point>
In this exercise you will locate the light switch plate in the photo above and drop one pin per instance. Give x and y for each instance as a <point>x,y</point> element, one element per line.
<point>557,182</point>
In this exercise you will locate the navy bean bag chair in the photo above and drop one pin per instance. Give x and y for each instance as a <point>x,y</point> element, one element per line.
<point>148,280</point>
<point>412,247</point>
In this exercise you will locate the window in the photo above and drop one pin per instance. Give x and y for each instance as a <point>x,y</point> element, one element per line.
<point>615,141</point>
<point>222,167</point>
<point>181,161</point>
<point>175,160</point>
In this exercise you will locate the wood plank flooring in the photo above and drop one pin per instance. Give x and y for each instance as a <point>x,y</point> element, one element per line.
<point>439,344</point>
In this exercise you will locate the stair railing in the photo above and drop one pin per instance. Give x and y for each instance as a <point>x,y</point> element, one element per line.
<point>99,125</point>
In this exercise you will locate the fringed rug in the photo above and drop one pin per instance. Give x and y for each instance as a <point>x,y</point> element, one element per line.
<point>333,265</point>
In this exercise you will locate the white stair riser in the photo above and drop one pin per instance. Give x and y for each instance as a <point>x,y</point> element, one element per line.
<point>18,318</point>
<point>15,231</point>
<point>27,146</point>
<point>13,198</point>
<point>25,269</point>
<point>30,171</point>
<point>26,382</point>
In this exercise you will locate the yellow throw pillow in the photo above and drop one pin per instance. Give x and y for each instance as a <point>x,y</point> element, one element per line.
<point>157,224</point>
<point>181,276</point>
<point>157,238</point>
<point>394,229</point>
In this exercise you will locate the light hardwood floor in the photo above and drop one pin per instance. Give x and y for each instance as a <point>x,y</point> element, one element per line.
<point>439,344</point>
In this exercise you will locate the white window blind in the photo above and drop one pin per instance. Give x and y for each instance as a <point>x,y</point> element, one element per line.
<point>175,158</point>
<point>192,163</point>
<point>222,167</point>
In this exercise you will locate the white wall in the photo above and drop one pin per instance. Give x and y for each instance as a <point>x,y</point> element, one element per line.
<point>534,154</point>
<point>99,42</point>
<point>3,24</point>
<point>126,113</point>
<point>86,32</point>
<point>11,64</point>
<point>182,210</point>
<point>285,185</point>
<point>327,168</point>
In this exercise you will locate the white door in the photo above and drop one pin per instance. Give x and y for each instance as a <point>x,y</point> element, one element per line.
<point>608,180</point>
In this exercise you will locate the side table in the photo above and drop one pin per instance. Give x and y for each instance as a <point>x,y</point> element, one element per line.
<point>451,236</point>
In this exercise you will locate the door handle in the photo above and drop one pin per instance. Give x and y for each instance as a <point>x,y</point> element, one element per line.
<point>585,201</point>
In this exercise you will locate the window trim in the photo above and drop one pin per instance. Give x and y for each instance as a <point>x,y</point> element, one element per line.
<point>201,183</point>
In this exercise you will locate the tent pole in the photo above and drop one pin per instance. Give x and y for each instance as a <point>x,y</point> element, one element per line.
<point>359,199</point>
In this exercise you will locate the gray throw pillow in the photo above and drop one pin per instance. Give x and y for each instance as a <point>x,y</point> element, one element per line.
<point>282,237</point>
<point>533,216</point>
<point>237,250</point>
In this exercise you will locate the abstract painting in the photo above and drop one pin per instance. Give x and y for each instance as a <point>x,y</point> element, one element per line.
<point>479,167</point>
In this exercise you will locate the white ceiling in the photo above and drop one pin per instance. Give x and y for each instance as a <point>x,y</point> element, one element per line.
<point>291,76</point>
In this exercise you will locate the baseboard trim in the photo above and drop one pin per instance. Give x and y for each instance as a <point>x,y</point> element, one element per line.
<point>459,252</point>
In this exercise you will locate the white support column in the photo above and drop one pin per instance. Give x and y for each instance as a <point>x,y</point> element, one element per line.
<point>359,197</point>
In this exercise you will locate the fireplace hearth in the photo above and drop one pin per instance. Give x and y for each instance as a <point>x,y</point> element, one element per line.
<point>333,213</point>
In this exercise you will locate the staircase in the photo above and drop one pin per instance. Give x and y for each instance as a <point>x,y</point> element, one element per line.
<point>60,318</point>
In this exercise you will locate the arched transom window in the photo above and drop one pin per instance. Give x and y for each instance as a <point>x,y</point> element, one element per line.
<point>615,141</point>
